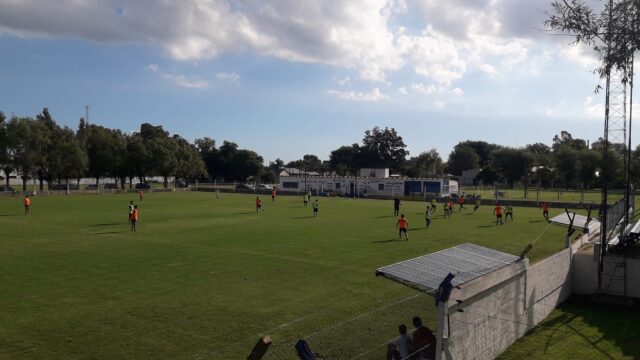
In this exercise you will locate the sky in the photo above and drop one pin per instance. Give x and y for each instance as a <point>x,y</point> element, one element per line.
<point>292,77</point>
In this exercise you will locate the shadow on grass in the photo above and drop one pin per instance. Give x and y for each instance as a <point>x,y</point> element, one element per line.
<point>537,221</point>
<point>387,241</point>
<point>10,214</point>
<point>415,229</point>
<point>244,213</point>
<point>110,224</point>
<point>486,226</point>
<point>108,232</point>
<point>303,217</point>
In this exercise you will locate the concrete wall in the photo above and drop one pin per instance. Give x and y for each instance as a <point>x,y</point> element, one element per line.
<point>486,322</point>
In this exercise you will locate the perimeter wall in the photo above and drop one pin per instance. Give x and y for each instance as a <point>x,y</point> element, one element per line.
<point>490,314</point>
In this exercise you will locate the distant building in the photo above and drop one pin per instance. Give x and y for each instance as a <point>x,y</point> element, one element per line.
<point>369,185</point>
<point>294,172</point>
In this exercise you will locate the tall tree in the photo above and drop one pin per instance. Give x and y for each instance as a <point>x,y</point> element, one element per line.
<point>344,159</point>
<point>462,158</point>
<point>383,149</point>
<point>427,164</point>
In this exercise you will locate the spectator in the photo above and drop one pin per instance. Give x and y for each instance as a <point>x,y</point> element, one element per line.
<point>424,342</point>
<point>403,343</point>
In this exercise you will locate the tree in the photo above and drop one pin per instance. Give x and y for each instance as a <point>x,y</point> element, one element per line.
<point>383,149</point>
<point>566,164</point>
<point>189,164</point>
<point>28,142</point>
<point>588,164</point>
<point>67,158</point>
<point>482,148</point>
<point>104,148</point>
<point>612,33</point>
<point>344,159</point>
<point>462,158</point>
<point>308,163</point>
<point>513,164</point>
<point>566,139</point>
<point>428,163</point>
<point>163,160</point>
<point>7,148</point>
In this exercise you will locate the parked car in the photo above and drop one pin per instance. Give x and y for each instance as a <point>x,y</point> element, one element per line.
<point>265,187</point>
<point>245,187</point>
<point>182,184</point>
<point>141,186</point>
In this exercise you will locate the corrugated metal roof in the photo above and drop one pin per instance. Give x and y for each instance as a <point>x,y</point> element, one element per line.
<point>579,221</point>
<point>466,261</point>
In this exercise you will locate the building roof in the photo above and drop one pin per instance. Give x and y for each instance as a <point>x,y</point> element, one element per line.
<point>466,261</point>
<point>579,221</point>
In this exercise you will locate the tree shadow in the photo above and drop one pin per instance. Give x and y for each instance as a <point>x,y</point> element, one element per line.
<point>537,221</point>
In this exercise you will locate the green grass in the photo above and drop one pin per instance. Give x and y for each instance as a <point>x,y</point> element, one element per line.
<point>204,277</point>
<point>558,195</point>
<point>579,330</point>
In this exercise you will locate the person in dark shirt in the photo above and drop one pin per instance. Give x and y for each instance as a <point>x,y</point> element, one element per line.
<point>424,342</point>
<point>396,207</point>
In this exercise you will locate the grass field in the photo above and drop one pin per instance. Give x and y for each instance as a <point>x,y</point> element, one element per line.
<point>580,330</point>
<point>559,195</point>
<point>202,277</point>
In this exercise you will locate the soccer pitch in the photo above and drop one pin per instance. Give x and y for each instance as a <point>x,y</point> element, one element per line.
<point>204,277</point>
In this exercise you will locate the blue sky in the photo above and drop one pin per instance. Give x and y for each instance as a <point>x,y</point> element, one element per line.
<point>287,78</point>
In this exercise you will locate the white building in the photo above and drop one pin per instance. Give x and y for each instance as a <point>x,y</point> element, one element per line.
<point>350,185</point>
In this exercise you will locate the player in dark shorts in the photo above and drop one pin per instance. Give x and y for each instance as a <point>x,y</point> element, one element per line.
<point>498,212</point>
<point>508,213</point>
<point>396,207</point>
<point>315,205</point>
<point>545,210</point>
<point>130,210</point>
<point>304,200</point>
<point>427,217</point>
<point>402,225</point>
<point>433,205</point>
<point>461,202</point>
<point>477,205</point>
<point>258,204</point>
<point>27,205</point>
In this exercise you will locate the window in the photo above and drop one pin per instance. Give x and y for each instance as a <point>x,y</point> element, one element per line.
<point>337,186</point>
<point>380,187</point>
<point>289,185</point>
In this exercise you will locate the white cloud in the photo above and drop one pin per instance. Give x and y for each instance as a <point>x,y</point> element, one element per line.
<point>230,77</point>
<point>368,37</point>
<point>344,81</point>
<point>579,55</point>
<point>556,109</point>
<point>593,110</point>
<point>457,92</point>
<point>373,95</point>
<point>403,90</point>
<point>180,80</point>
<point>425,89</point>
<point>439,104</point>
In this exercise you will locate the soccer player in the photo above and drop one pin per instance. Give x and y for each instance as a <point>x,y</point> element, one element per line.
<point>427,217</point>
<point>396,206</point>
<point>141,195</point>
<point>461,203</point>
<point>433,204</point>
<point>134,218</point>
<point>27,205</point>
<point>545,210</point>
<point>402,225</point>
<point>309,196</point>
<point>477,206</point>
<point>498,212</point>
<point>273,195</point>
<point>450,207</point>
<point>508,212</point>
<point>258,204</point>
<point>445,209</point>
<point>305,200</point>
<point>315,207</point>
<point>130,210</point>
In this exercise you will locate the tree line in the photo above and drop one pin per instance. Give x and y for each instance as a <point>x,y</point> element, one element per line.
<point>38,148</point>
